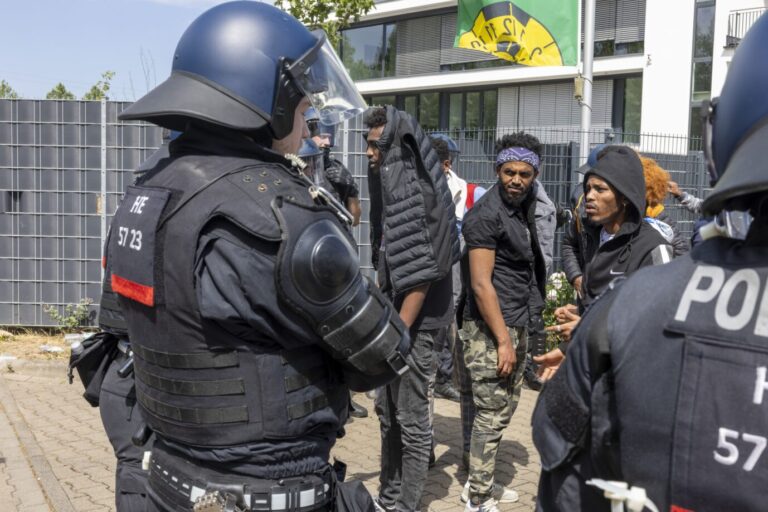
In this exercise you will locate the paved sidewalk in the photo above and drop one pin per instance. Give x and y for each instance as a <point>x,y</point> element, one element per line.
<point>55,456</point>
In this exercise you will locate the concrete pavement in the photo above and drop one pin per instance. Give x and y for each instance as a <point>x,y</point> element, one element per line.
<point>54,455</point>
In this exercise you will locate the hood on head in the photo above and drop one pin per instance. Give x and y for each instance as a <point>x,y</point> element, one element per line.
<point>621,167</point>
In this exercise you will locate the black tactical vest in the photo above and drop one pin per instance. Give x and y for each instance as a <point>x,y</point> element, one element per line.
<point>111,317</point>
<point>197,386</point>
<point>688,382</point>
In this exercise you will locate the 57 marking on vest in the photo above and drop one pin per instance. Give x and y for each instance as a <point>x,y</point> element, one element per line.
<point>727,452</point>
<point>123,234</point>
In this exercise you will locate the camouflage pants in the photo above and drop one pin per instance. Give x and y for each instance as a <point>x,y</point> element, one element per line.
<point>495,399</point>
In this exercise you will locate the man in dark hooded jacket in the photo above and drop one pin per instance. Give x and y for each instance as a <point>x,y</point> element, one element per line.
<point>636,244</point>
<point>414,245</point>
<point>612,248</point>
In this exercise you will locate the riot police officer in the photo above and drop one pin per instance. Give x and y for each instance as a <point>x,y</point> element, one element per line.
<point>341,181</point>
<point>249,317</point>
<point>664,385</point>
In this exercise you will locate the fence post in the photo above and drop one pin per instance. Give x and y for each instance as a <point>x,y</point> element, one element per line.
<point>103,177</point>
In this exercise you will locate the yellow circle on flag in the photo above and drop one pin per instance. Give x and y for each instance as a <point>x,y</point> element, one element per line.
<point>510,33</point>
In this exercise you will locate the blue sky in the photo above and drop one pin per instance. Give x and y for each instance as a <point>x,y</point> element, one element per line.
<point>74,41</point>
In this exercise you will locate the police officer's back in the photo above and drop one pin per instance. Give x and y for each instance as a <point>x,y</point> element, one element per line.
<point>243,298</point>
<point>665,384</point>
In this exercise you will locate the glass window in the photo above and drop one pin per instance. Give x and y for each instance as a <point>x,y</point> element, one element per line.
<point>429,111</point>
<point>633,95</point>
<point>369,52</point>
<point>629,48</point>
<point>361,51</point>
<point>390,52</point>
<point>454,112</point>
<point>410,105</point>
<point>603,48</point>
<point>702,80</point>
<point>472,113</point>
<point>705,31</point>
<point>695,133</point>
<point>489,109</point>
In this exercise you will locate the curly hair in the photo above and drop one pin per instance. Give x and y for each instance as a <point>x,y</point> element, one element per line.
<point>519,140</point>
<point>656,181</point>
<point>376,117</point>
<point>441,148</point>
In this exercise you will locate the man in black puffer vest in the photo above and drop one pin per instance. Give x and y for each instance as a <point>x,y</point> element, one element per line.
<point>414,244</point>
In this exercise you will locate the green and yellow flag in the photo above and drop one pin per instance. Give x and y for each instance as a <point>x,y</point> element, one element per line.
<point>528,32</point>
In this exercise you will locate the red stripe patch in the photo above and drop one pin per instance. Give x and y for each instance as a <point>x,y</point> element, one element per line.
<point>138,292</point>
<point>103,262</point>
<point>675,508</point>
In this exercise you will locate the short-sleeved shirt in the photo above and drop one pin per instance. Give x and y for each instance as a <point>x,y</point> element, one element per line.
<point>494,224</point>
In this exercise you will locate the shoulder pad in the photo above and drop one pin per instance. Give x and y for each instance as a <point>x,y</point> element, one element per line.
<point>260,185</point>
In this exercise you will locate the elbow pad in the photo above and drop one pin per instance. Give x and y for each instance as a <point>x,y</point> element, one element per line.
<point>318,275</point>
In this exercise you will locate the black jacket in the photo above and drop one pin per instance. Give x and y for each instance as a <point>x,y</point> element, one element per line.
<point>636,244</point>
<point>679,243</point>
<point>573,256</point>
<point>644,392</point>
<point>411,208</point>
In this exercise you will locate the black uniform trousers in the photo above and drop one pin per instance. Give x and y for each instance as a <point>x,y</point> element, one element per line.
<point>121,418</point>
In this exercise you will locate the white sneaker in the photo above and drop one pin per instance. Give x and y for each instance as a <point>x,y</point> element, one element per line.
<point>488,506</point>
<point>499,493</point>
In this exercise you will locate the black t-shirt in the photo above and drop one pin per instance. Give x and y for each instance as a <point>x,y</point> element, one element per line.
<point>494,224</point>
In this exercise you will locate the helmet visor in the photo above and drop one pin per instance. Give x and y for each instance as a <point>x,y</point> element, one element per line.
<point>314,168</point>
<point>322,78</point>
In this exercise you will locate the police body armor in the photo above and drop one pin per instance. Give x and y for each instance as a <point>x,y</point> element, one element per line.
<point>679,388</point>
<point>209,388</point>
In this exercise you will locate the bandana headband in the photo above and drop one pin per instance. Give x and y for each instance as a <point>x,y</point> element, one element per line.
<point>518,154</point>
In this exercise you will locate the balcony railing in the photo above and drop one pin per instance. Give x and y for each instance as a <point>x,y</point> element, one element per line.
<point>739,22</point>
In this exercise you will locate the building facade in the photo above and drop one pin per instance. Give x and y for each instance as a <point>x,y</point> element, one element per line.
<point>655,60</point>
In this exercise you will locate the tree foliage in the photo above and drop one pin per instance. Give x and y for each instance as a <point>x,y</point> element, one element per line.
<point>7,92</point>
<point>330,15</point>
<point>59,92</point>
<point>100,90</point>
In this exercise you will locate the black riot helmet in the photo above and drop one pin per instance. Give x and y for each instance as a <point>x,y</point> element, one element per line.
<point>326,133</point>
<point>736,127</point>
<point>246,65</point>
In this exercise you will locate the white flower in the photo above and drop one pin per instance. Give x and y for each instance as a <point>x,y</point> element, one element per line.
<point>552,294</point>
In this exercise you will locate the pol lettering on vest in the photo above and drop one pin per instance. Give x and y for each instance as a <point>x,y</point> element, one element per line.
<point>709,284</point>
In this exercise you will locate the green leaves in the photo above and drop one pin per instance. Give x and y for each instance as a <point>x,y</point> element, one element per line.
<point>7,92</point>
<point>100,90</point>
<point>60,92</point>
<point>330,15</point>
<point>73,315</point>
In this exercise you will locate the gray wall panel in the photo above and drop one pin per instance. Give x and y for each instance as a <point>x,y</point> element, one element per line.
<point>50,158</point>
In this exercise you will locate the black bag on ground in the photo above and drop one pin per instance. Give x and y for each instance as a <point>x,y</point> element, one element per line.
<point>92,363</point>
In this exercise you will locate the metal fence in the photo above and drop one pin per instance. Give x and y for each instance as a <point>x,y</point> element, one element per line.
<point>558,175</point>
<point>63,167</point>
<point>739,23</point>
<point>65,164</point>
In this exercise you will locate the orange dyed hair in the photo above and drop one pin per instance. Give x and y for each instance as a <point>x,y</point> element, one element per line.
<point>656,181</point>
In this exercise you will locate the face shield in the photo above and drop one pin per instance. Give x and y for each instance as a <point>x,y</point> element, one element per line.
<point>321,76</point>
